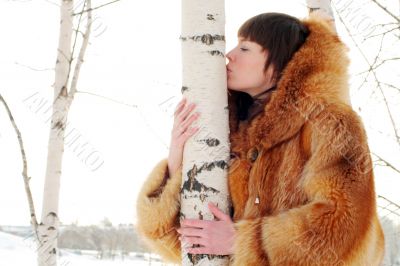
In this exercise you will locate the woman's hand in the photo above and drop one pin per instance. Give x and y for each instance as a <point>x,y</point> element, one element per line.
<point>181,131</point>
<point>214,237</point>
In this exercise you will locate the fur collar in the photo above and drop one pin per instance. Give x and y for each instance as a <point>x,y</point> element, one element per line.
<point>315,77</point>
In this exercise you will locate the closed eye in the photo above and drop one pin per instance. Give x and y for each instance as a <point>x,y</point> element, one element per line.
<point>244,49</point>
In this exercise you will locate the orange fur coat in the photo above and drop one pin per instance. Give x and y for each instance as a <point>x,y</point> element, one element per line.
<point>306,159</point>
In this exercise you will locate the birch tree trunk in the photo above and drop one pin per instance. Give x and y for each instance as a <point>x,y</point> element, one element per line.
<point>323,7</point>
<point>206,155</point>
<point>48,228</point>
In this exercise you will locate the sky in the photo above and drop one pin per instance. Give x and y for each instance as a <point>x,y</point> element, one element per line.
<point>114,141</point>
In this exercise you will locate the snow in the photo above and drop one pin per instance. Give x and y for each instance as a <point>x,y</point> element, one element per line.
<point>17,251</point>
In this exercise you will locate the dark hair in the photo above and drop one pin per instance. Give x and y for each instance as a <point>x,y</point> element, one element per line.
<point>281,35</point>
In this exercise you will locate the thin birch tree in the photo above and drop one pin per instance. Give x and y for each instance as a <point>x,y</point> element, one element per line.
<point>65,87</point>
<point>206,154</point>
<point>323,7</point>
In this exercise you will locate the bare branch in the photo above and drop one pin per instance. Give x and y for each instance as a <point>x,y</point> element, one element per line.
<point>386,60</point>
<point>82,51</point>
<point>107,98</point>
<point>376,79</point>
<point>387,11</point>
<point>77,31</point>
<point>24,166</point>
<point>34,69</point>
<point>391,86</point>
<point>383,33</point>
<point>386,163</point>
<point>391,202</point>
<point>373,65</point>
<point>136,108</point>
<point>97,7</point>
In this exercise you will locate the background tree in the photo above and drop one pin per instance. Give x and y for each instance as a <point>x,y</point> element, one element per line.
<point>65,87</point>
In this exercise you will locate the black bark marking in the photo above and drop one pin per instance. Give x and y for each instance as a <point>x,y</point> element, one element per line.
<point>202,197</point>
<point>53,251</point>
<point>184,88</point>
<point>216,52</point>
<point>195,258</point>
<point>207,167</point>
<point>211,142</point>
<point>210,17</point>
<point>191,184</point>
<point>313,9</point>
<point>201,217</point>
<point>64,91</point>
<point>205,38</point>
<point>59,125</point>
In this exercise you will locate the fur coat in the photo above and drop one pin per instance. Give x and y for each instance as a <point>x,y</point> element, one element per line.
<point>301,179</point>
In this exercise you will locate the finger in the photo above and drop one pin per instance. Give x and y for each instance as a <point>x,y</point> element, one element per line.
<point>188,240</point>
<point>218,213</point>
<point>185,124</point>
<point>182,116</point>
<point>180,106</point>
<point>189,231</point>
<point>187,134</point>
<point>195,223</point>
<point>199,250</point>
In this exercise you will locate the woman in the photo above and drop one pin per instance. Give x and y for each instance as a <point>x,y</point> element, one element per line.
<point>300,178</point>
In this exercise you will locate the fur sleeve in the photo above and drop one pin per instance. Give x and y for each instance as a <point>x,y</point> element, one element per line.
<point>339,224</point>
<point>157,217</point>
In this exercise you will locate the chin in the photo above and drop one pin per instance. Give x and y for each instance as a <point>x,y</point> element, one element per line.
<point>236,89</point>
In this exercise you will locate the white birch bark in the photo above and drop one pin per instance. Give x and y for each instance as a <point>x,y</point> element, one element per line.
<point>323,7</point>
<point>48,228</point>
<point>206,155</point>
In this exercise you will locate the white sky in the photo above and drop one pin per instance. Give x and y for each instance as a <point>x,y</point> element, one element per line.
<point>134,57</point>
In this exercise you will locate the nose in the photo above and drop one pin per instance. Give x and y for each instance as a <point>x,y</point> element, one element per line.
<point>229,55</point>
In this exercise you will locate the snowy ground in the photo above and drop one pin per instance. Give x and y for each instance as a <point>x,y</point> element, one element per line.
<point>16,251</point>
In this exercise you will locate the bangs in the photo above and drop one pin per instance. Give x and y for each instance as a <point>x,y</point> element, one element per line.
<point>253,30</point>
<point>280,34</point>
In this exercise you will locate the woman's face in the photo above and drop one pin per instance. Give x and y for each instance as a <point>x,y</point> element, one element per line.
<point>245,69</point>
